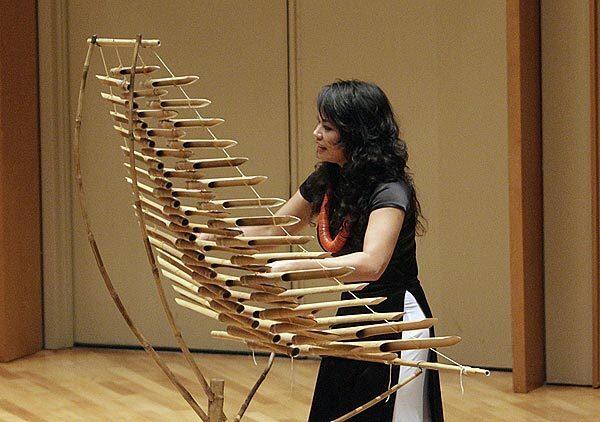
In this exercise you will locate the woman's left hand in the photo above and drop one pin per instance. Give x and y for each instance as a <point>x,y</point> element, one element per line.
<point>293,265</point>
<point>280,266</point>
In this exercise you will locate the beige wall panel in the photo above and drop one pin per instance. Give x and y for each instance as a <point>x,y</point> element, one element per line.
<point>239,51</point>
<point>567,205</point>
<point>443,65</point>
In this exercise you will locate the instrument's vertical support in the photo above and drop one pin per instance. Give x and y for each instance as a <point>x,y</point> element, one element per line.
<point>215,406</point>
<point>140,215</point>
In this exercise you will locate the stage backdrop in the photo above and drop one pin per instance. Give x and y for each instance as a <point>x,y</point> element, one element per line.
<point>443,64</point>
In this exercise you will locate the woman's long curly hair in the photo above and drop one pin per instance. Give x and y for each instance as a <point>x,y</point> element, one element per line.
<point>370,138</point>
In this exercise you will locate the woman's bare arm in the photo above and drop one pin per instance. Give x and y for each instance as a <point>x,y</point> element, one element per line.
<point>381,236</point>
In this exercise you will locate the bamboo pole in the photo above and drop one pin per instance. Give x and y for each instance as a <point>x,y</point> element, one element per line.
<point>157,114</point>
<point>266,258</point>
<point>197,122</point>
<point>126,70</point>
<point>204,143</point>
<point>255,388</point>
<point>150,255</point>
<point>215,406</point>
<point>96,251</point>
<point>246,203</point>
<point>172,81</point>
<point>349,319</point>
<point>122,42</point>
<point>172,103</point>
<point>226,182</point>
<point>115,99</point>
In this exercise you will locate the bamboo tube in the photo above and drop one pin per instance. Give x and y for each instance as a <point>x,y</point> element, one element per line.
<point>167,247</point>
<point>193,296</point>
<point>203,143</point>
<point>281,313</point>
<point>147,93</point>
<point>155,181</point>
<point>303,338</point>
<point>210,248</point>
<point>244,241</point>
<point>284,350</point>
<point>167,201</point>
<point>118,83</point>
<point>267,258</point>
<point>180,281</point>
<point>272,298</point>
<point>377,399</point>
<point>157,114</point>
<point>124,119</point>
<point>253,334</point>
<point>126,70</point>
<point>263,287</point>
<point>200,275</point>
<point>172,81</point>
<point>210,163</point>
<point>298,275</point>
<point>404,344</point>
<point>285,327</point>
<point>197,122</point>
<point>172,103</point>
<point>165,133</point>
<point>342,348</point>
<point>381,328</point>
<point>166,152</point>
<point>180,240</point>
<point>249,203</point>
<point>157,164</point>
<point>324,289</point>
<point>420,343</point>
<point>226,306</point>
<point>184,257</point>
<point>180,222</point>
<point>190,211</point>
<point>183,174</point>
<point>138,138</point>
<point>350,319</point>
<point>122,42</point>
<point>192,193</point>
<point>317,306</point>
<point>203,228</point>
<point>115,99</point>
<point>173,227</point>
<point>276,220</point>
<point>395,327</point>
<point>174,266</point>
<point>156,192</point>
<point>225,182</point>
<point>97,255</point>
<point>197,308</point>
<point>466,370</point>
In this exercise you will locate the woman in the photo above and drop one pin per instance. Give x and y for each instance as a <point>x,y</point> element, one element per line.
<point>368,217</point>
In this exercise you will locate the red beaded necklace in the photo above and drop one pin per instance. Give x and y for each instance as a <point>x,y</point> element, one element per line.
<point>336,244</point>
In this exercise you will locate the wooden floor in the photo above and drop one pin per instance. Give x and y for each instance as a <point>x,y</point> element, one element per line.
<point>121,385</point>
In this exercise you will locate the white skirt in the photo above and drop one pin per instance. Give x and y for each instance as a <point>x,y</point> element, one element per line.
<point>410,403</point>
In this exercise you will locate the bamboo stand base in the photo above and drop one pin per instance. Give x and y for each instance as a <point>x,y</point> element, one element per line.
<point>215,406</point>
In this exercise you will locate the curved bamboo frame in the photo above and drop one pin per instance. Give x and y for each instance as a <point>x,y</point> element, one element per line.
<point>96,251</point>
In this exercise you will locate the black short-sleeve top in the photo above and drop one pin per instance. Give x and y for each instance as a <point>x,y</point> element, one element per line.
<point>402,268</point>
